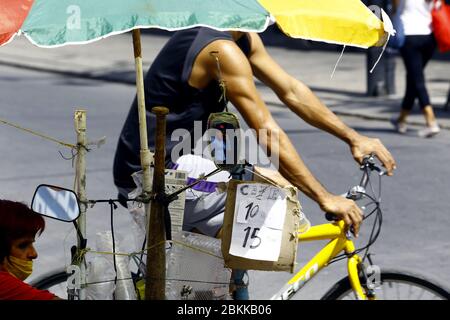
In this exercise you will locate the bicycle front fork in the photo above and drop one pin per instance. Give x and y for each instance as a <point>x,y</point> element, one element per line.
<point>364,277</point>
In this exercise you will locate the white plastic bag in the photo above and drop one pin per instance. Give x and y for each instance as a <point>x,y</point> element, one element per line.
<point>102,274</point>
<point>100,279</point>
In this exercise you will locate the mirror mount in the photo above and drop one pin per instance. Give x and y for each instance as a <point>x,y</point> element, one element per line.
<point>83,240</point>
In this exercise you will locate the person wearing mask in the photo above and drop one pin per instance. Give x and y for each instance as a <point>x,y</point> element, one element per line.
<point>19,225</point>
<point>417,50</point>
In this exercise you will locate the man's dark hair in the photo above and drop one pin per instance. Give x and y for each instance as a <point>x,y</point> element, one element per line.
<point>17,220</point>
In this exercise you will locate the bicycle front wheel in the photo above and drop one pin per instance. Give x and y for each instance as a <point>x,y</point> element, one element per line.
<point>55,282</point>
<point>394,285</point>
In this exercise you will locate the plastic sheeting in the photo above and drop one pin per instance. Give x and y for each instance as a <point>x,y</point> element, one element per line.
<point>195,269</point>
<point>101,273</point>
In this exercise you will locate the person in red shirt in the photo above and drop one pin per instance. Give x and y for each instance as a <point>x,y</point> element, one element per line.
<point>19,226</point>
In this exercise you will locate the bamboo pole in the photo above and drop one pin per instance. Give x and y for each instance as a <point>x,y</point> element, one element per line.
<point>146,155</point>
<point>155,286</point>
<point>80,187</point>
<point>156,259</point>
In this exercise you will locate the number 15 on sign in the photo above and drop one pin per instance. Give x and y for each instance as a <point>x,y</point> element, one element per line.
<point>258,222</point>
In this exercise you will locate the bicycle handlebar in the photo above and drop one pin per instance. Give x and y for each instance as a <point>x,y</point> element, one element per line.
<point>368,165</point>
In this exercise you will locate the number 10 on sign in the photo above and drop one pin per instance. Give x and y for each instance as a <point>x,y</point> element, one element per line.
<point>258,222</point>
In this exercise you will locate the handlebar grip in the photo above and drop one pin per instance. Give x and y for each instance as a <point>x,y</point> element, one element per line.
<point>369,161</point>
<point>330,217</point>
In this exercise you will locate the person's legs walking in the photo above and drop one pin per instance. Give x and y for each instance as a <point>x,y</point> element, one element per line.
<point>407,104</point>
<point>409,55</point>
<point>416,53</point>
<point>411,89</point>
<point>427,48</point>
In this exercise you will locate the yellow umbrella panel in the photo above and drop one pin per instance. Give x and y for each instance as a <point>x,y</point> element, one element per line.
<point>345,22</point>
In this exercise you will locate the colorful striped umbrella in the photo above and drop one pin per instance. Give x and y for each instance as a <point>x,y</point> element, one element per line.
<point>50,23</point>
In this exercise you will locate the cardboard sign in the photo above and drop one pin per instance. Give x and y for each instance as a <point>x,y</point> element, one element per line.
<point>258,222</point>
<point>274,211</point>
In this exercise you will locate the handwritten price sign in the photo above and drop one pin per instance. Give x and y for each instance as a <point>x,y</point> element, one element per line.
<point>258,222</point>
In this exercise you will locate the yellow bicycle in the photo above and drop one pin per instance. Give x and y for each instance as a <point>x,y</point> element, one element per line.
<point>365,281</point>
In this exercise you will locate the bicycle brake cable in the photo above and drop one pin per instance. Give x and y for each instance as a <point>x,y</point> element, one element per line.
<point>373,236</point>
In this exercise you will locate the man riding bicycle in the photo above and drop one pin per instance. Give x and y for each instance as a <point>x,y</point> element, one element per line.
<point>185,77</point>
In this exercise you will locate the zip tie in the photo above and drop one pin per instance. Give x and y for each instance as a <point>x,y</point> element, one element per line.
<point>38,134</point>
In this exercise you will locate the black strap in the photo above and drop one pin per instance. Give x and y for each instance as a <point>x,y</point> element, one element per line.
<point>167,223</point>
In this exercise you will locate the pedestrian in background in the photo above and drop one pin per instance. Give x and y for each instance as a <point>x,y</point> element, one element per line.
<point>381,81</point>
<point>417,50</point>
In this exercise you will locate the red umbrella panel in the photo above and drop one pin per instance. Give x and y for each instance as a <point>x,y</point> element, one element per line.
<point>12,15</point>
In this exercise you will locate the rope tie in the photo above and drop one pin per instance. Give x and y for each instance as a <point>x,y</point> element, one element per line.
<point>83,252</point>
<point>222,84</point>
<point>64,144</point>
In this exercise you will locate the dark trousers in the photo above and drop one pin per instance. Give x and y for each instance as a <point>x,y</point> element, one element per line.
<point>416,53</point>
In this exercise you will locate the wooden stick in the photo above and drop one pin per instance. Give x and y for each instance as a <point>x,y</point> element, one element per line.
<point>146,155</point>
<point>156,257</point>
<point>80,185</point>
<point>155,286</point>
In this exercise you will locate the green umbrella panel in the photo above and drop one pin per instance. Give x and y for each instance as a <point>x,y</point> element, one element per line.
<point>58,22</point>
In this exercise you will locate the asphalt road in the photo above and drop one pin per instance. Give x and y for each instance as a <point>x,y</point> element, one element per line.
<point>415,201</point>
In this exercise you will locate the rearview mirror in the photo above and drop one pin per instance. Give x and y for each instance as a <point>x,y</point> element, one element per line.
<point>56,202</point>
<point>224,140</point>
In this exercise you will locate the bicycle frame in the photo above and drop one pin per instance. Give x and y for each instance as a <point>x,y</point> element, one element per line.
<point>340,241</point>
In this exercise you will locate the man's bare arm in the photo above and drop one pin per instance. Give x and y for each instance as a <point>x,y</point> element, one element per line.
<point>303,102</point>
<point>241,91</point>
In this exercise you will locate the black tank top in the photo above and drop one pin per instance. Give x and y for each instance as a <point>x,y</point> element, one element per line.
<point>166,84</point>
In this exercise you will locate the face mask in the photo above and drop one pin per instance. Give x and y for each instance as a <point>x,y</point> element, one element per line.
<point>19,268</point>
